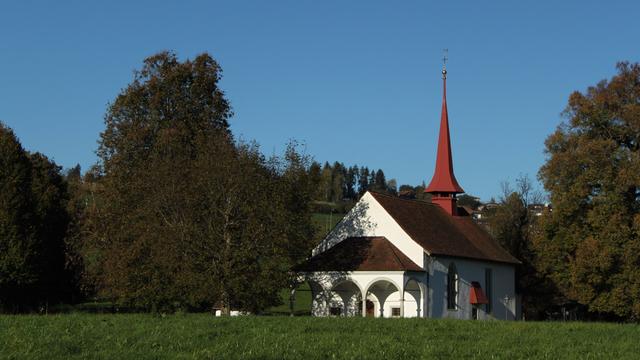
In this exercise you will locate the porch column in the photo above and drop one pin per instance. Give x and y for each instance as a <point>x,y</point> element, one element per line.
<point>326,303</point>
<point>345,308</point>
<point>402,300</point>
<point>364,304</point>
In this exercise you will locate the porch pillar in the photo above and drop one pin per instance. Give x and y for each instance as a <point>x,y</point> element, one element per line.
<point>402,300</point>
<point>326,303</point>
<point>364,304</point>
<point>345,307</point>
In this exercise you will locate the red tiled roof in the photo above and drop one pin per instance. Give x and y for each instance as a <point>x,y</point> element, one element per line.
<point>374,253</point>
<point>442,234</point>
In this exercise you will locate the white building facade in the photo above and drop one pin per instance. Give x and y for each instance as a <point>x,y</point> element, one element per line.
<point>392,257</point>
<point>420,284</point>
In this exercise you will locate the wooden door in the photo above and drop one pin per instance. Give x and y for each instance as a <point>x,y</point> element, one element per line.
<point>370,309</point>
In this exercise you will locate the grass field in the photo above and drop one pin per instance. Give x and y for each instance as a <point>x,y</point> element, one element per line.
<point>325,222</point>
<point>137,336</point>
<point>302,305</point>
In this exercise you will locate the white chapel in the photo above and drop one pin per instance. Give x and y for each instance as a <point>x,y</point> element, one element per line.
<point>392,257</point>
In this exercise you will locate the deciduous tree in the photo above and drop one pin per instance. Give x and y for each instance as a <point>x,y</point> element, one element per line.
<point>186,216</point>
<point>591,240</point>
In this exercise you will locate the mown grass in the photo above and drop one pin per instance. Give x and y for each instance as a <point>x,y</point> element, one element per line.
<point>138,336</point>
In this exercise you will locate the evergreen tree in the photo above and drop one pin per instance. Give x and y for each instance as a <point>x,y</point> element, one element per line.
<point>18,241</point>
<point>379,181</point>
<point>363,181</point>
<point>33,222</point>
<point>337,182</point>
<point>372,180</point>
<point>315,175</point>
<point>327,182</point>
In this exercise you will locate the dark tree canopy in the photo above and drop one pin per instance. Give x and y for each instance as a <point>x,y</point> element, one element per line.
<point>33,225</point>
<point>168,102</point>
<point>18,243</point>
<point>185,216</point>
<point>591,240</point>
<point>513,223</point>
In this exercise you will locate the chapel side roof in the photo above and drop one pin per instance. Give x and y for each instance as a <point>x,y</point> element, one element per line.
<point>367,253</point>
<point>442,234</point>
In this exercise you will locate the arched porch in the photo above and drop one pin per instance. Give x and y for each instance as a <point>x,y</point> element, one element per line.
<point>394,295</point>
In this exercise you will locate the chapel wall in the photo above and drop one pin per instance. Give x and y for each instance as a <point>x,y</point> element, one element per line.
<point>503,283</point>
<point>369,218</point>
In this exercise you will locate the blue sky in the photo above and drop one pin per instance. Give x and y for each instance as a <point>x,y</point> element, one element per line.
<point>358,82</point>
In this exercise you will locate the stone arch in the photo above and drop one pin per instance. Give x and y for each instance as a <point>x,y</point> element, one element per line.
<point>414,296</point>
<point>387,293</point>
<point>382,278</point>
<point>317,295</point>
<point>346,280</point>
<point>345,294</point>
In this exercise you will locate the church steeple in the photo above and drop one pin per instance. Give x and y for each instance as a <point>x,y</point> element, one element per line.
<point>444,186</point>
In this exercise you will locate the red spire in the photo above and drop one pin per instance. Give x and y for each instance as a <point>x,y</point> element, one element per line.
<point>444,181</point>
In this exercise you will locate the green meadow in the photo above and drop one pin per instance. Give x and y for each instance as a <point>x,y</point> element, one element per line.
<point>201,336</point>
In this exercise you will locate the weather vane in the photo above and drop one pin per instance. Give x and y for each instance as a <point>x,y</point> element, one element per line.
<point>444,62</point>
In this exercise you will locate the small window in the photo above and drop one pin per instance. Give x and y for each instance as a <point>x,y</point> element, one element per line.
<point>395,312</point>
<point>452,287</point>
<point>488,277</point>
<point>335,311</point>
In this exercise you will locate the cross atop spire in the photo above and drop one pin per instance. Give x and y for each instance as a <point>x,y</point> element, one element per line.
<point>444,63</point>
<point>444,185</point>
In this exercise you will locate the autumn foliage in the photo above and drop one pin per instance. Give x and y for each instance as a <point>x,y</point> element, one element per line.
<point>590,244</point>
<point>187,217</point>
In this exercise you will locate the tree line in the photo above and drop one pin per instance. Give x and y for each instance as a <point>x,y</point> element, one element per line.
<point>176,214</point>
<point>337,182</point>
<point>34,218</point>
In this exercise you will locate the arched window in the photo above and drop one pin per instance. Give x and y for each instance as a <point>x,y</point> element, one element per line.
<point>452,287</point>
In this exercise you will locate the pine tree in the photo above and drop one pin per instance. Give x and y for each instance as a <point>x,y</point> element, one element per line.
<point>372,180</point>
<point>380,181</point>
<point>327,182</point>
<point>363,181</point>
<point>337,182</point>
<point>315,175</point>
